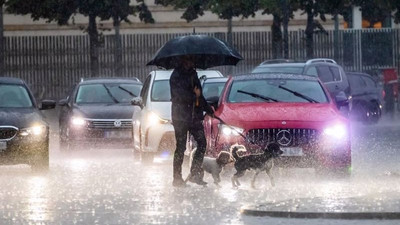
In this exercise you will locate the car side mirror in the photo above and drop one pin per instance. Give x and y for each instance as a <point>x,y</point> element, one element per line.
<point>48,104</point>
<point>213,101</point>
<point>341,99</point>
<point>137,101</point>
<point>63,102</point>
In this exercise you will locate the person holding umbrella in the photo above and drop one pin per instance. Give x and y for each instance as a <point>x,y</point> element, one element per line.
<point>188,105</point>
<point>185,54</point>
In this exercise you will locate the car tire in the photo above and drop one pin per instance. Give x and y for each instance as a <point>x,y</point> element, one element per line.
<point>136,154</point>
<point>376,113</point>
<point>147,157</point>
<point>342,172</point>
<point>63,144</point>
<point>41,159</point>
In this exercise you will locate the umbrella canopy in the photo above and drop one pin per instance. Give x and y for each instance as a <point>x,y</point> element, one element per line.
<point>206,52</point>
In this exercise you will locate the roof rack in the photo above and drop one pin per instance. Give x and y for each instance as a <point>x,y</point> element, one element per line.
<point>277,61</point>
<point>317,60</point>
<point>108,77</point>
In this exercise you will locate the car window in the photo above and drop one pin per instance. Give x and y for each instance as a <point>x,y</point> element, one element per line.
<point>325,74</point>
<point>370,83</point>
<point>160,91</point>
<point>335,73</point>
<point>312,71</point>
<point>107,93</point>
<point>270,88</point>
<point>213,89</point>
<point>14,96</point>
<point>279,69</point>
<point>357,82</point>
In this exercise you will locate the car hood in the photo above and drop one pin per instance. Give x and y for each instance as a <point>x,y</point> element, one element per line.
<point>162,109</point>
<point>20,117</point>
<point>114,111</point>
<point>279,112</point>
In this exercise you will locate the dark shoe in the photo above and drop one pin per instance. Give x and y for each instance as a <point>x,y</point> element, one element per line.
<point>197,180</point>
<point>179,183</point>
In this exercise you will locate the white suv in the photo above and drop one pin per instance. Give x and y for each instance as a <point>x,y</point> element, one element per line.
<point>153,132</point>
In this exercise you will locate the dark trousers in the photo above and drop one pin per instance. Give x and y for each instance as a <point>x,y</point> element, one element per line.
<point>196,129</point>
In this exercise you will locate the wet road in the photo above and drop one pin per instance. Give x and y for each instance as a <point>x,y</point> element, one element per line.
<point>111,187</point>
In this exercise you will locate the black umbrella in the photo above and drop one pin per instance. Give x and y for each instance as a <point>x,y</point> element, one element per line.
<point>206,51</point>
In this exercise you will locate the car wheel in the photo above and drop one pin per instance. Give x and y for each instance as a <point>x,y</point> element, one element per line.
<point>136,154</point>
<point>40,161</point>
<point>63,143</point>
<point>375,113</point>
<point>339,167</point>
<point>342,172</point>
<point>147,157</point>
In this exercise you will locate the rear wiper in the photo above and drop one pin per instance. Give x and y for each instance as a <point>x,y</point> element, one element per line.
<point>258,96</point>
<point>127,91</point>
<point>298,94</point>
<point>109,93</point>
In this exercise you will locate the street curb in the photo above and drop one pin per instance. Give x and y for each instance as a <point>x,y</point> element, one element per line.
<point>252,211</point>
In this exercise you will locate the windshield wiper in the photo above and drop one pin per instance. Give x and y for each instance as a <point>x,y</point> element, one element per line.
<point>109,93</point>
<point>298,94</point>
<point>258,96</point>
<point>127,91</point>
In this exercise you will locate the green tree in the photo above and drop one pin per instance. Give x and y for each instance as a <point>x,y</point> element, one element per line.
<point>1,39</point>
<point>374,10</point>
<point>282,12</point>
<point>63,11</point>
<point>119,11</point>
<point>314,9</point>
<point>224,9</point>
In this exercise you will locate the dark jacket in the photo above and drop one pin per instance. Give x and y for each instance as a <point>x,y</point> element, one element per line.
<point>182,83</point>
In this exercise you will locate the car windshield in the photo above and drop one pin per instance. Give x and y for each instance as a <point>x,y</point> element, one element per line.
<point>107,93</point>
<point>161,91</point>
<point>248,90</point>
<point>279,69</point>
<point>212,89</point>
<point>14,96</point>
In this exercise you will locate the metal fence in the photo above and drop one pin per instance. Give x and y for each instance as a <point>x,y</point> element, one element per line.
<point>52,64</point>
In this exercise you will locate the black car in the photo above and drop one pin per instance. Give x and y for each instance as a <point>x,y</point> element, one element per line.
<point>327,70</point>
<point>24,134</point>
<point>366,97</point>
<point>98,113</point>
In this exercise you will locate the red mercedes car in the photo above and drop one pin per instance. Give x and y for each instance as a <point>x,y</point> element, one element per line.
<point>294,111</point>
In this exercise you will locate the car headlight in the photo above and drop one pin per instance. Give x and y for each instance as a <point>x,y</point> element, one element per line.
<point>153,119</point>
<point>78,121</point>
<point>35,130</point>
<point>337,131</point>
<point>231,130</point>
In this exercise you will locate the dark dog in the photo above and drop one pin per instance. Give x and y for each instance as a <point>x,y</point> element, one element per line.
<point>257,162</point>
<point>213,166</point>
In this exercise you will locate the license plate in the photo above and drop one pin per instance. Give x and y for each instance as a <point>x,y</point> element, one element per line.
<point>3,145</point>
<point>117,134</point>
<point>292,151</point>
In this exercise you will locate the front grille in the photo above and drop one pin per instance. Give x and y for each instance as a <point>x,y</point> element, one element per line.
<point>293,137</point>
<point>110,124</point>
<point>7,132</point>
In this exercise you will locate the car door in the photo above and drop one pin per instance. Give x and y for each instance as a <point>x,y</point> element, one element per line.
<point>358,92</point>
<point>140,114</point>
<point>330,78</point>
<point>371,89</point>
<point>65,111</point>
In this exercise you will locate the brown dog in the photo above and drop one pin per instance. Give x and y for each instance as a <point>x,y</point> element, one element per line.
<point>213,166</point>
